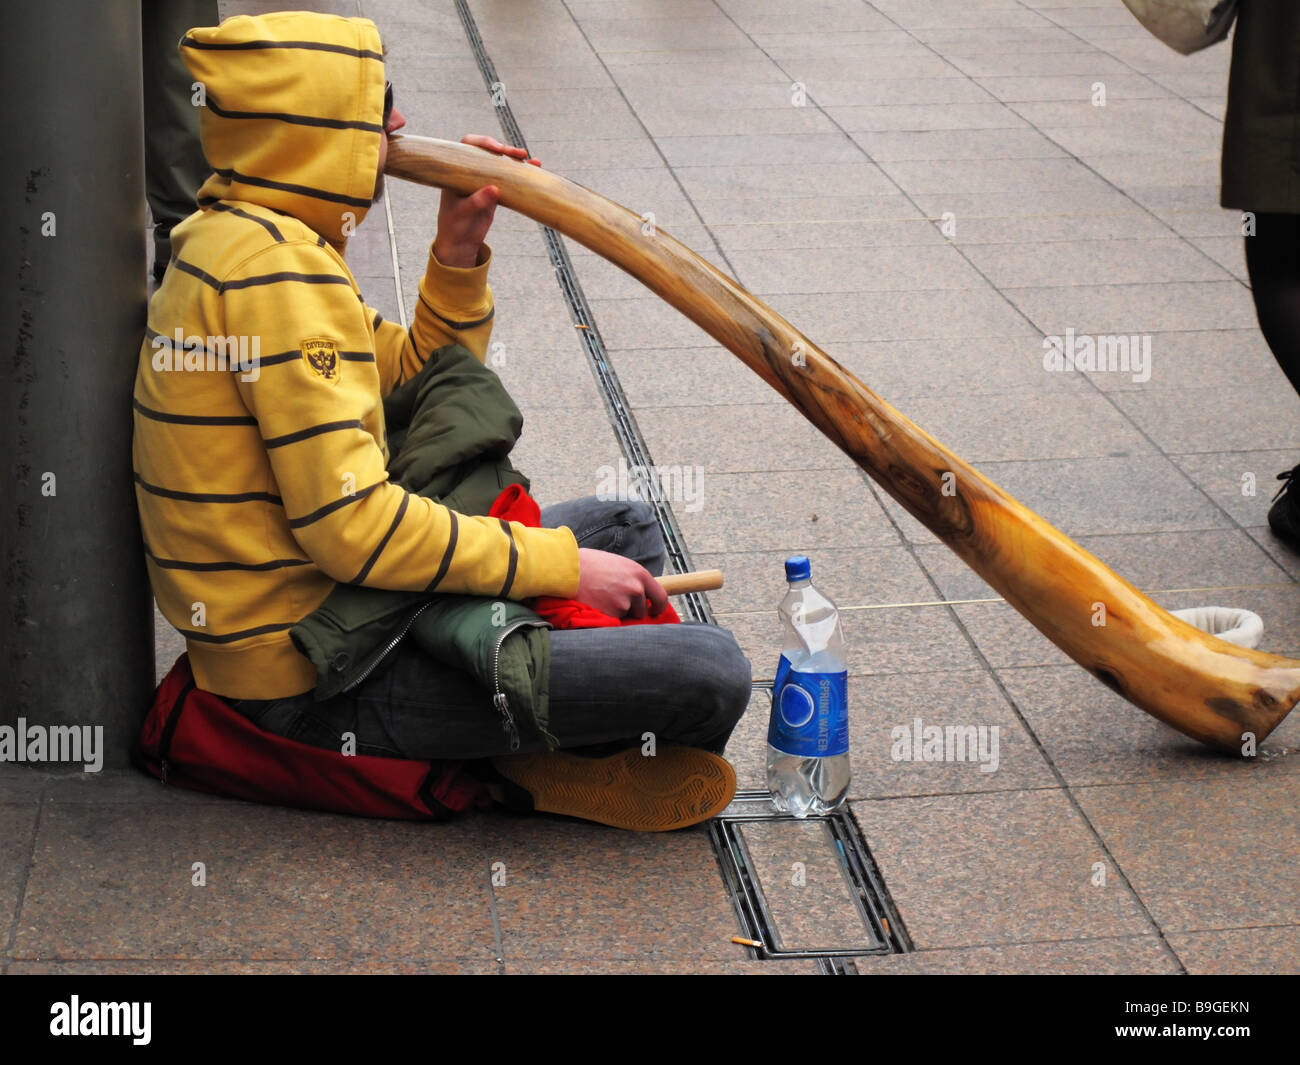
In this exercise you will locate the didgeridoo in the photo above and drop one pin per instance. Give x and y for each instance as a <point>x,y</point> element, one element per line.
<point>1224,695</point>
<point>700,580</point>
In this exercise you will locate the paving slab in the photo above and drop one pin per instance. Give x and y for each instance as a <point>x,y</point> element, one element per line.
<point>966,370</point>
<point>568,443</point>
<point>684,127</point>
<point>913,116</point>
<point>990,749</point>
<point>23,783</point>
<point>887,145</point>
<point>1267,951</point>
<point>1242,483</point>
<point>989,176</point>
<point>1140,308</point>
<point>1277,549</point>
<point>1075,87</point>
<point>1203,419</point>
<point>902,640</point>
<point>1093,736</point>
<point>852,270</point>
<point>280,885</point>
<point>1228,359</point>
<point>1002,867</point>
<point>576,890</point>
<point>17,830</point>
<point>257,967</point>
<point>1203,854</point>
<point>1108,494</point>
<point>738,439</point>
<point>1193,169</point>
<point>1030,425</point>
<point>747,748</point>
<point>991,220</point>
<point>752,512</point>
<point>973,314</point>
<point>776,209</point>
<point>678,964</point>
<point>1005,638</point>
<point>1125,955</point>
<point>850,577</point>
<point>1093,262</point>
<point>757,16</point>
<point>689,377</point>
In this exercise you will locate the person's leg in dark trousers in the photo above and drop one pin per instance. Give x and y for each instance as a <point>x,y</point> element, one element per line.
<point>690,681</point>
<point>174,162</point>
<point>1273,264</point>
<point>686,684</point>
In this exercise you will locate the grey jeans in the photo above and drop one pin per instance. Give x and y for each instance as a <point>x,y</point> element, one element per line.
<point>687,684</point>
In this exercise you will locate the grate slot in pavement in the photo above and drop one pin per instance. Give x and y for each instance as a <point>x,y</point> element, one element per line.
<point>805,888</point>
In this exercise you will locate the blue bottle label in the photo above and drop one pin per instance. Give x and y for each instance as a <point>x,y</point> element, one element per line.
<point>810,713</point>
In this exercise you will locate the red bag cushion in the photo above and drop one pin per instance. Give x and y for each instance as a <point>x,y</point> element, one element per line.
<point>194,739</point>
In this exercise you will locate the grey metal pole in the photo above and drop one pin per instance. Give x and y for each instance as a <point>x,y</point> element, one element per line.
<point>77,626</point>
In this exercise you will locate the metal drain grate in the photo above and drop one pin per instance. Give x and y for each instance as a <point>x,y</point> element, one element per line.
<point>805,888</point>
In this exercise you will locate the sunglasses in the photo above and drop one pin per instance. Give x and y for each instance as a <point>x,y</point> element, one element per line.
<point>388,102</point>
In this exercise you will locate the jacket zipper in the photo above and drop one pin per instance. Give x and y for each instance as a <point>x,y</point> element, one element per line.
<point>384,652</point>
<point>498,696</point>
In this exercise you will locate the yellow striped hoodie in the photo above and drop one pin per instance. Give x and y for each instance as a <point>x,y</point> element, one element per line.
<point>259,444</point>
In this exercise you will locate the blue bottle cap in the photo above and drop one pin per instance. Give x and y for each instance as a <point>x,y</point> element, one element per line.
<point>798,568</point>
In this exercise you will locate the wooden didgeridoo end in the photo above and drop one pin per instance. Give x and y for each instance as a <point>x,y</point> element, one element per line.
<point>700,580</point>
<point>1214,691</point>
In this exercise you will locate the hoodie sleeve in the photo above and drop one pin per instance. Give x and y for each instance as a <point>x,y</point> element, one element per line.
<point>454,307</point>
<point>316,401</point>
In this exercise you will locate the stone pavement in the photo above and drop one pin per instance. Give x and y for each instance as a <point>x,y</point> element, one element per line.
<point>926,188</point>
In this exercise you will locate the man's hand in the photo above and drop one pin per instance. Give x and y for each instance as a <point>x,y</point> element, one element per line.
<point>464,221</point>
<point>618,586</point>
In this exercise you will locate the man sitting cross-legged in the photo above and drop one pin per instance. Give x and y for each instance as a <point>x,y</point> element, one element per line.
<point>265,489</point>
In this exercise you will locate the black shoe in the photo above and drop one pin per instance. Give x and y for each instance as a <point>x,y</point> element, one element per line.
<point>1284,515</point>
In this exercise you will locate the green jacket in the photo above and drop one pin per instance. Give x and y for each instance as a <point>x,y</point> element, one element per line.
<point>450,430</point>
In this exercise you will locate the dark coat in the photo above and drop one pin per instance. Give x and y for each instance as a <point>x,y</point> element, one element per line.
<point>1261,128</point>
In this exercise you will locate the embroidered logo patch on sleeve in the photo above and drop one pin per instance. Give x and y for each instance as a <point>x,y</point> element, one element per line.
<point>322,358</point>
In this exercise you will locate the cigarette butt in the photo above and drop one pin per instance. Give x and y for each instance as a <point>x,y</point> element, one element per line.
<point>746,942</point>
<point>576,326</point>
<point>885,922</point>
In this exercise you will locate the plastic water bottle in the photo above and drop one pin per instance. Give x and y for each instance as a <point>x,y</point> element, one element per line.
<point>808,736</point>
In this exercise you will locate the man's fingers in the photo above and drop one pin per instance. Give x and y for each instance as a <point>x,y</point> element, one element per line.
<point>486,198</point>
<point>491,144</point>
<point>636,608</point>
<point>655,593</point>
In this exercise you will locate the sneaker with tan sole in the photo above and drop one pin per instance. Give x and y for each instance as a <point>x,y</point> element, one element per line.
<point>674,788</point>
